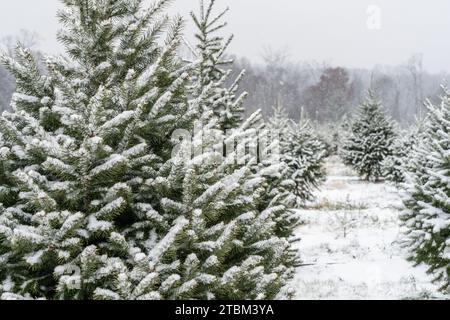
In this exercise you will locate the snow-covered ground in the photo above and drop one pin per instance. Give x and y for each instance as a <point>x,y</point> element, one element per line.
<point>350,247</point>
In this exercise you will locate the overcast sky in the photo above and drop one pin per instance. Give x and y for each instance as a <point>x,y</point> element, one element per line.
<point>322,30</point>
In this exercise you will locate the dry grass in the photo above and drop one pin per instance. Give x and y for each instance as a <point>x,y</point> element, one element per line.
<point>327,205</point>
<point>335,167</point>
<point>336,185</point>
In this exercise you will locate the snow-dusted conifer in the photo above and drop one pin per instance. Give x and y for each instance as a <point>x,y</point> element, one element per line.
<point>370,139</point>
<point>210,52</point>
<point>305,156</point>
<point>395,165</point>
<point>291,181</point>
<point>226,246</point>
<point>95,205</point>
<point>81,152</point>
<point>280,185</point>
<point>427,214</point>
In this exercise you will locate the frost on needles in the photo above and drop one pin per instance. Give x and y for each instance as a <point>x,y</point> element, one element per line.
<point>92,203</point>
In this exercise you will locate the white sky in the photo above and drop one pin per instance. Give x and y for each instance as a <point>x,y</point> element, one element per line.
<point>322,30</point>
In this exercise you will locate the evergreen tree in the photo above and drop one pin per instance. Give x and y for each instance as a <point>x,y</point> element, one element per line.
<point>210,52</point>
<point>94,202</point>
<point>305,155</point>
<point>228,248</point>
<point>394,167</point>
<point>370,139</point>
<point>302,153</point>
<point>81,155</point>
<point>279,122</point>
<point>297,173</point>
<point>427,215</point>
<point>280,185</point>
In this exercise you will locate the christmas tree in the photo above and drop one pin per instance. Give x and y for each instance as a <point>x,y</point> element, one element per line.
<point>101,200</point>
<point>426,197</point>
<point>228,247</point>
<point>210,52</point>
<point>297,173</point>
<point>370,139</point>
<point>305,155</point>
<point>280,185</point>
<point>394,167</point>
<point>302,153</point>
<point>89,139</point>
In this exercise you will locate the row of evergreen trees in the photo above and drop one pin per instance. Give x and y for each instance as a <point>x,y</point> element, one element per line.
<point>98,200</point>
<point>417,161</point>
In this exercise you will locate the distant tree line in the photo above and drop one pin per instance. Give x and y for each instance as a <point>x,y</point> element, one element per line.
<point>319,91</point>
<point>325,93</point>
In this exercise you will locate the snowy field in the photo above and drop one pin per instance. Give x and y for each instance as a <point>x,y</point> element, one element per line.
<point>349,246</point>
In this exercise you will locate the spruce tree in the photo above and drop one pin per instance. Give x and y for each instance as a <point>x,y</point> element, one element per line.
<point>297,173</point>
<point>305,156</point>
<point>210,51</point>
<point>302,153</point>
<point>81,155</point>
<point>227,246</point>
<point>280,185</point>
<point>427,215</point>
<point>370,139</point>
<point>394,167</point>
<point>95,203</point>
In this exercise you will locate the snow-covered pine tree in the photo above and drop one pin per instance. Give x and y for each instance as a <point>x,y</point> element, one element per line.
<point>305,156</point>
<point>226,247</point>
<point>325,132</point>
<point>82,150</point>
<point>370,139</point>
<point>426,197</point>
<point>95,205</point>
<point>288,181</point>
<point>279,121</point>
<point>394,166</point>
<point>280,185</point>
<point>224,244</point>
<point>279,128</point>
<point>210,52</point>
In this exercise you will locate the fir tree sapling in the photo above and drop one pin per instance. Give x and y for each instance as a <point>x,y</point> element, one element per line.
<point>228,248</point>
<point>396,165</point>
<point>94,205</point>
<point>280,186</point>
<point>81,152</point>
<point>426,195</point>
<point>303,154</point>
<point>298,172</point>
<point>370,139</point>
<point>210,52</point>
